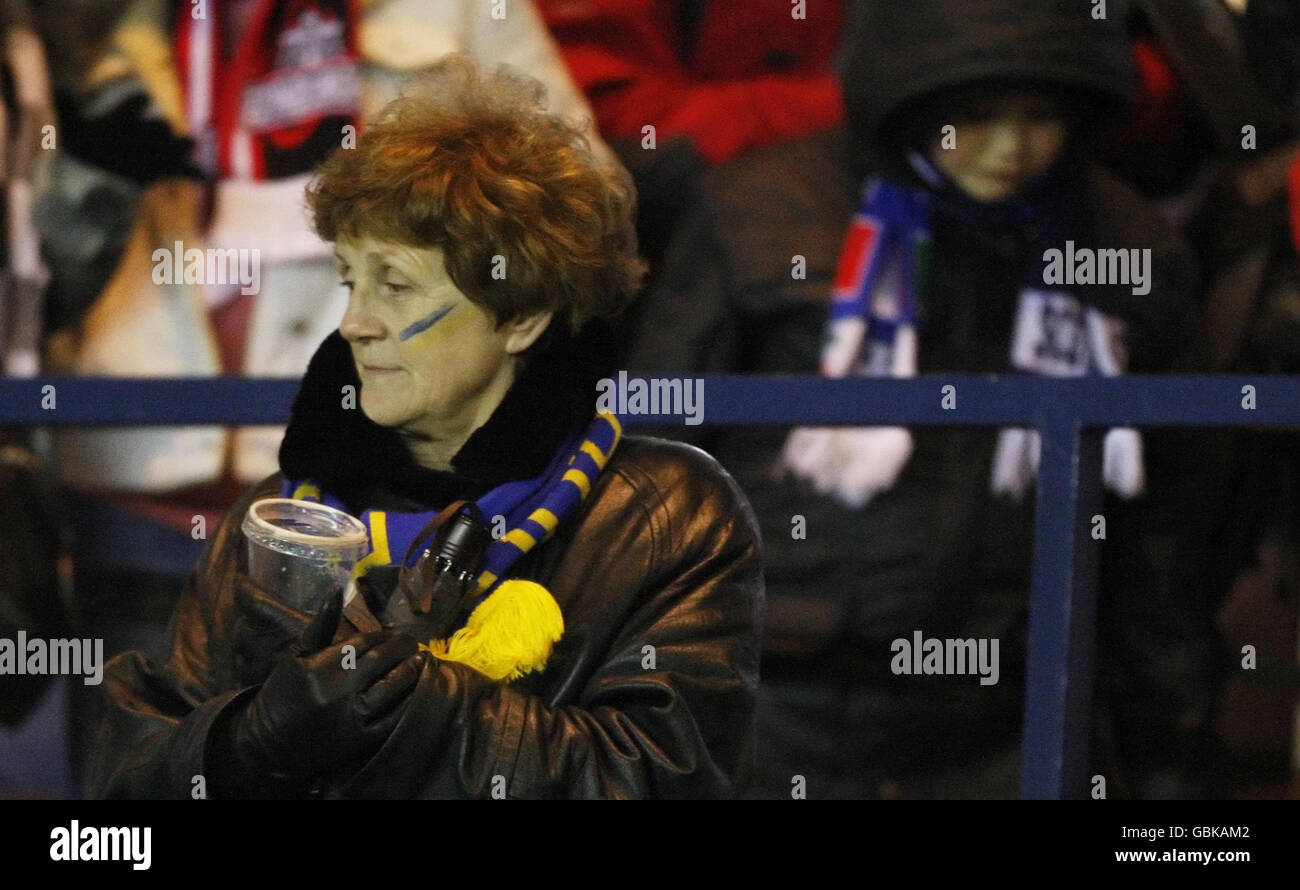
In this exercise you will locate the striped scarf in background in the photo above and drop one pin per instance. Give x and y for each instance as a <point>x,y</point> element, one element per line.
<point>872,331</point>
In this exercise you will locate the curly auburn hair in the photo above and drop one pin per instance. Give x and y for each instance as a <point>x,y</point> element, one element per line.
<point>474,164</point>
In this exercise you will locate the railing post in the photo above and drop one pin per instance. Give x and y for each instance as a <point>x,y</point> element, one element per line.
<point>1062,614</point>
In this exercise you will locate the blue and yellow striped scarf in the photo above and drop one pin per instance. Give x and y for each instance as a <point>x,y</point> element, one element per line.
<point>531,510</point>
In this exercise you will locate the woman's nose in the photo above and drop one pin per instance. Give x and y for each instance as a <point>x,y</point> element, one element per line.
<point>359,323</point>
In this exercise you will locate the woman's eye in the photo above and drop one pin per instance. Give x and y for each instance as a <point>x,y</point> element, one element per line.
<point>348,284</point>
<point>394,287</point>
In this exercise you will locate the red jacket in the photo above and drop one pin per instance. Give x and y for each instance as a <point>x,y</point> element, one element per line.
<point>756,74</point>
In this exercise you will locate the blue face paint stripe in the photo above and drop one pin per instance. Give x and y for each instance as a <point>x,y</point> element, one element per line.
<point>419,327</point>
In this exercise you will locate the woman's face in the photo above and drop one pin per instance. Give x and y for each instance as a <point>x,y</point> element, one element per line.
<point>431,362</point>
<point>1001,144</point>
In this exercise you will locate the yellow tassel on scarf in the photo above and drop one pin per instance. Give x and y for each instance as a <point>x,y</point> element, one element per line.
<point>510,633</point>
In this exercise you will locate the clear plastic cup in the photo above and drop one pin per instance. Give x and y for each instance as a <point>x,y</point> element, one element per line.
<point>300,550</point>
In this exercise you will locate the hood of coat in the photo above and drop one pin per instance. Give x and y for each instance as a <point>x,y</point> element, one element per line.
<point>897,55</point>
<point>352,456</point>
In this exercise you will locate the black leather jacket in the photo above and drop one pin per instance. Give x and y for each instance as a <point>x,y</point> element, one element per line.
<point>650,692</point>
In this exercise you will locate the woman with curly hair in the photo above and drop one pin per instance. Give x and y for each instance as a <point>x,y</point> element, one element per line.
<point>604,641</point>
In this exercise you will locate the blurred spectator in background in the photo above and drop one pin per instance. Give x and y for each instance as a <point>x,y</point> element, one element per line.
<point>26,122</point>
<point>1194,93</point>
<point>33,746</point>
<point>1247,233</point>
<point>681,85</point>
<point>198,131</point>
<point>1214,142</point>
<point>942,269</point>
<point>729,75</point>
<point>34,590</point>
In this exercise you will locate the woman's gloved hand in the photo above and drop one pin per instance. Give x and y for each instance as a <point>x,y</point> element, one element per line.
<point>264,631</point>
<point>322,707</point>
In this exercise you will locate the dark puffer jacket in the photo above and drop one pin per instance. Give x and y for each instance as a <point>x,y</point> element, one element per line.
<point>664,553</point>
<point>937,552</point>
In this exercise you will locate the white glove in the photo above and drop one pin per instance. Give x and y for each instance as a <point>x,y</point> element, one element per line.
<point>852,464</point>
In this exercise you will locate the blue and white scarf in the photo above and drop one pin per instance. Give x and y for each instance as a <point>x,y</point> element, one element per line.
<point>872,331</point>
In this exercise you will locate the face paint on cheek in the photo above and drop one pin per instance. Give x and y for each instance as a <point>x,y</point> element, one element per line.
<point>423,324</point>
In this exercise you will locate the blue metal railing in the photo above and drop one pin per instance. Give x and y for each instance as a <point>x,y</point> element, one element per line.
<point>1069,414</point>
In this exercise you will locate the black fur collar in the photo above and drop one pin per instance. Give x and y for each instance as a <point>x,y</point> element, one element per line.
<point>351,456</point>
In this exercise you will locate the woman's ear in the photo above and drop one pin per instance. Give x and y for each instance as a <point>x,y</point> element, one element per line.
<point>524,331</point>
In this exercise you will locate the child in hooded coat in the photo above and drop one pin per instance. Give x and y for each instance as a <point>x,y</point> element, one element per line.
<point>967,158</point>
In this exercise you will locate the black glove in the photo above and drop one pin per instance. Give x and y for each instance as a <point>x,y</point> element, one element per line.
<point>313,714</point>
<point>264,630</point>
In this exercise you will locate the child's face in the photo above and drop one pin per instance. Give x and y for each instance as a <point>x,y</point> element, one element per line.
<point>1001,143</point>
